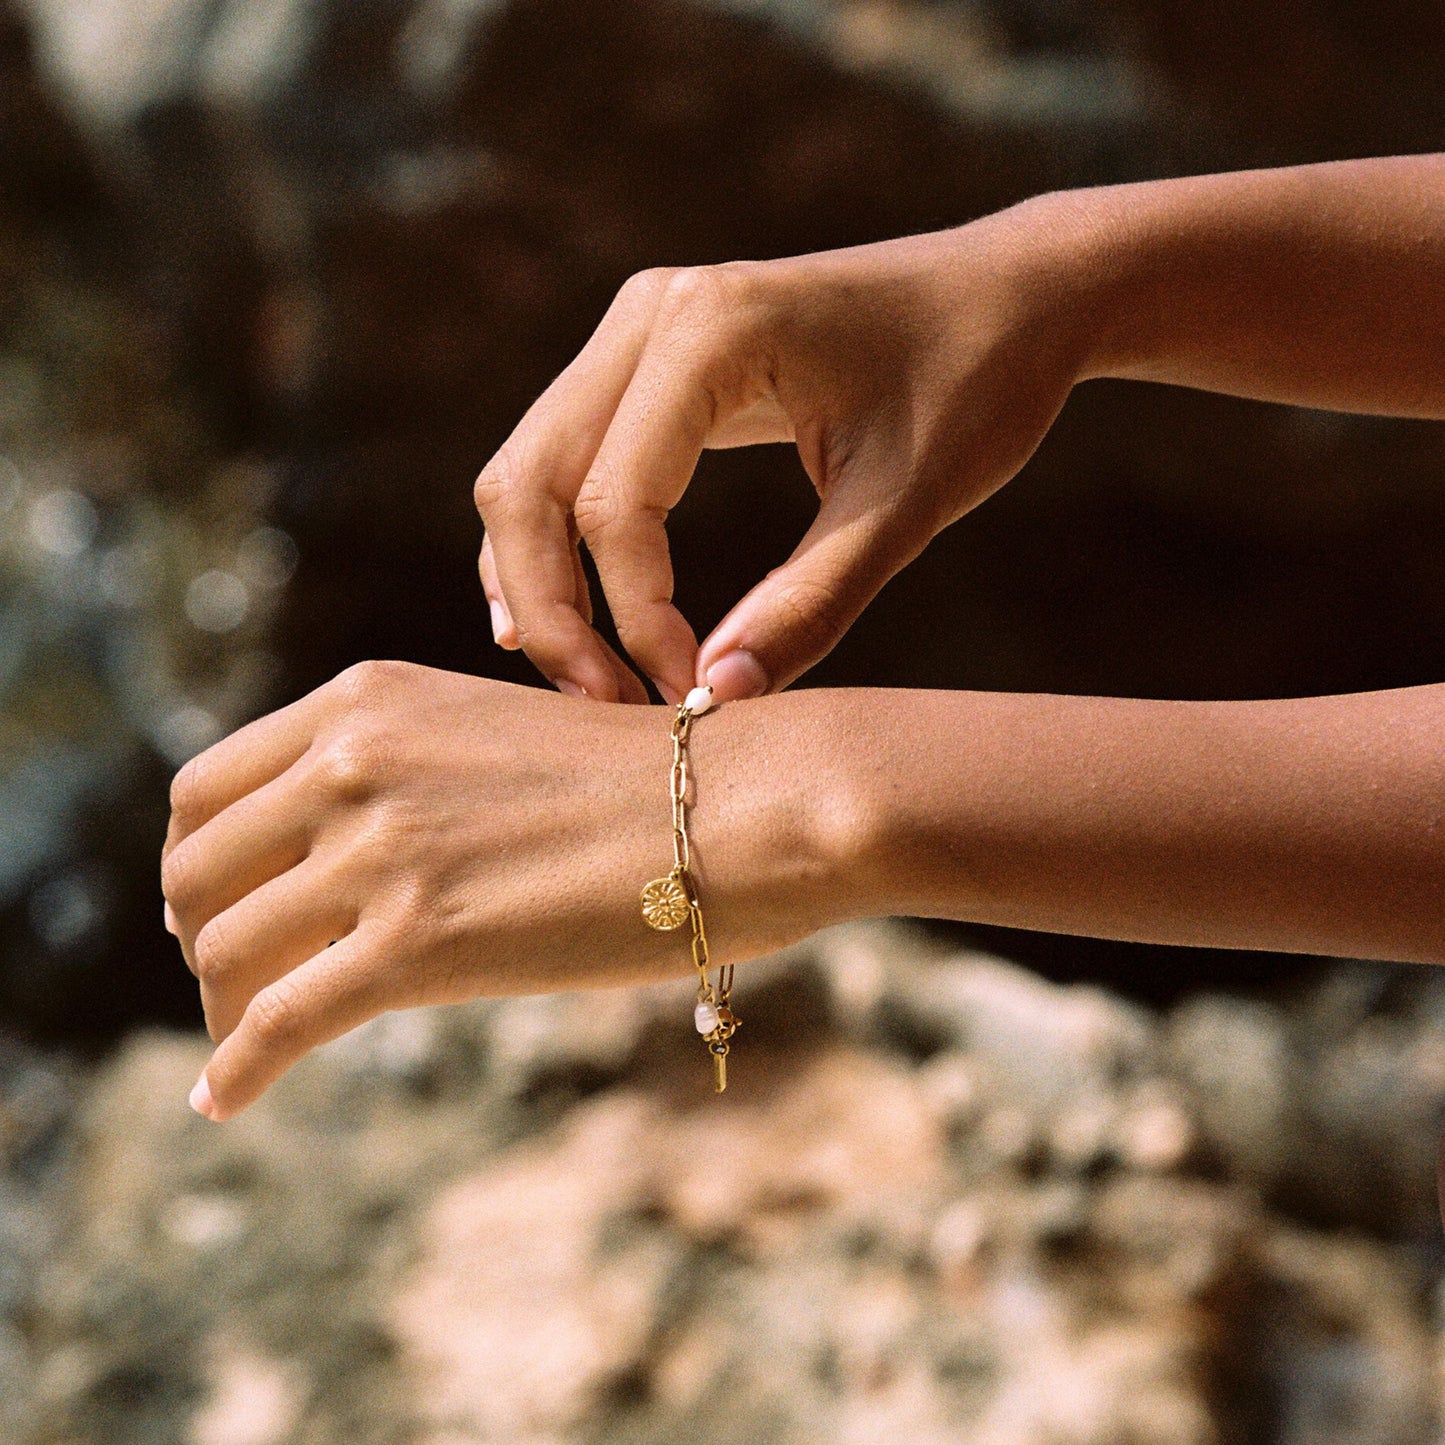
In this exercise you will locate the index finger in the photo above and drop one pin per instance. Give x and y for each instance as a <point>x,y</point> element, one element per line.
<point>249,758</point>
<point>527,492</point>
<point>537,569</point>
<point>234,768</point>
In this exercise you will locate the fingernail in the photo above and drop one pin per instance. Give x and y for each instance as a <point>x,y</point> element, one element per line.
<point>201,1100</point>
<point>565,684</point>
<point>669,694</point>
<point>737,674</point>
<point>501,621</point>
<point>170,916</point>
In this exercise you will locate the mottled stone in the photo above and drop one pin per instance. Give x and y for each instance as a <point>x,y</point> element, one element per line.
<point>531,1220</point>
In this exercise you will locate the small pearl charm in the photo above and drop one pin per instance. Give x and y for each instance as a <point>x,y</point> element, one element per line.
<point>705,1017</point>
<point>698,701</point>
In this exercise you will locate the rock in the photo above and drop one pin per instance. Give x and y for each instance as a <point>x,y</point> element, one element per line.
<point>37,1095</point>
<point>528,1221</point>
<point>252,1398</point>
<point>1046,1042</point>
<point>508,1327</point>
<point>1331,1108</point>
<point>1348,1358</point>
<point>1371,1098</point>
<point>1234,1055</point>
<point>1154,1130</point>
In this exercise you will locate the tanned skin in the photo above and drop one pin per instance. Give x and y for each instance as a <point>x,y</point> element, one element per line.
<point>405,836</point>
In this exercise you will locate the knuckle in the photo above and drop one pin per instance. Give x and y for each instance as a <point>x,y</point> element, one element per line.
<point>374,846</point>
<point>415,904</point>
<point>644,288</point>
<point>190,788</point>
<point>349,764</point>
<point>366,685</point>
<point>214,954</point>
<point>691,290</point>
<point>642,624</point>
<point>495,483</point>
<point>275,1014</point>
<point>813,611</point>
<point>547,640</point>
<point>708,292</point>
<point>596,509</point>
<point>181,876</point>
<point>412,921</point>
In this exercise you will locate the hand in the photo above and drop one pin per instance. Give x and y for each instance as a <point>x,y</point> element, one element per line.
<point>405,836</point>
<point>915,377</point>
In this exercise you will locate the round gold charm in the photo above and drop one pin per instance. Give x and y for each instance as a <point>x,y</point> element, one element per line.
<point>664,904</point>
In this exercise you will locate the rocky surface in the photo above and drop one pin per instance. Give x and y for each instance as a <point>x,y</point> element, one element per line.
<point>292,270</point>
<point>942,1200</point>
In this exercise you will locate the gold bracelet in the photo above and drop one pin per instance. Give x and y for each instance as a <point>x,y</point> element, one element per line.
<point>668,903</point>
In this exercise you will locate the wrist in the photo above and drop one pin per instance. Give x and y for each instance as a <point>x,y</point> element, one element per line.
<point>1072,266</point>
<point>785,830</point>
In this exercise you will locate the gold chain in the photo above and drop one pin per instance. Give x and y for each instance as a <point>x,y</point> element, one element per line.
<point>668,903</point>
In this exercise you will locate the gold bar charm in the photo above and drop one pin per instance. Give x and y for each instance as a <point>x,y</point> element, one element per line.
<point>719,1068</point>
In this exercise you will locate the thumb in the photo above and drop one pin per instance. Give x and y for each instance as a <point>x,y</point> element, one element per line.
<point>798,613</point>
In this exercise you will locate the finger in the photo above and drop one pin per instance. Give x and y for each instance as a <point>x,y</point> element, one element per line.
<point>266,935</point>
<point>579,579</point>
<point>642,469</point>
<point>331,993</point>
<point>629,685</point>
<point>258,838</point>
<point>630,688</point>
<point>526,493</point>
<point>246,760</point>
<point>538,572</point>
<point>504,629</point>
<point>797,613</point>
<point>606,677</point>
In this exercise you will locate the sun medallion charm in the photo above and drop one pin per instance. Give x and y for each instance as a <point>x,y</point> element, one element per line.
<point>664,904</point>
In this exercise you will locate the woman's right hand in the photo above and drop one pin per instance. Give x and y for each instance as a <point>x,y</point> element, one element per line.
<point>915,376</point>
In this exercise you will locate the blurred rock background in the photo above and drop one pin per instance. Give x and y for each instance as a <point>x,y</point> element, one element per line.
<point>942,1200</point>
<point>276,276</point>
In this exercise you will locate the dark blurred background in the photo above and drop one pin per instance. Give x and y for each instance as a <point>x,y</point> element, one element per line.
<point>276,279</point>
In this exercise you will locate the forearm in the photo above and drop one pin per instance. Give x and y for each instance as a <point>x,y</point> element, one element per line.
<point>1309,825</point>
<point>1315,285</point>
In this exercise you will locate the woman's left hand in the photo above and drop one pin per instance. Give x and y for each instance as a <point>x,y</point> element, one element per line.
<point>406,836</point>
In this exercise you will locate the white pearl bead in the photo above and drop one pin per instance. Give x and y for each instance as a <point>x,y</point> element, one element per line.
<point>705,1017</point>
<point>698,700</point>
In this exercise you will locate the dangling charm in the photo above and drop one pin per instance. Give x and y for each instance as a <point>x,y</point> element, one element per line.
<point>717,1023</point>
<point>719,1052</point>
<point>704,1016</point>
<point>664,903</point>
